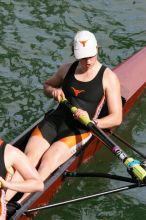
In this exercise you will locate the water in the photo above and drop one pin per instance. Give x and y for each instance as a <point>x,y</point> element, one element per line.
<point>35,39</point>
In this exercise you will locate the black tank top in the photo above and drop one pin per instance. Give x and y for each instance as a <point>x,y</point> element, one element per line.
<point>84,95</point>
<point>3,170</point>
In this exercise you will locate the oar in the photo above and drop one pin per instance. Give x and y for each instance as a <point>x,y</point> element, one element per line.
<point>103,175</point>
<point>132,165</point>
<point>120,189</point>
<point>127,144</point>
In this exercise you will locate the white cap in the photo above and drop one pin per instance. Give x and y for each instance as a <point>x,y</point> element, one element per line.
<point>85,45</point>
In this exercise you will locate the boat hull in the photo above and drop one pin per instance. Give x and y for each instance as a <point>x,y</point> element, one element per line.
<point>131,90</point>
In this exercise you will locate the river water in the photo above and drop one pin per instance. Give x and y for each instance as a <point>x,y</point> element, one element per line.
<point>35,39</point>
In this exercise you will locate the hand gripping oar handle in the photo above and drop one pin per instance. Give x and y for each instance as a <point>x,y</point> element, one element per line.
<point>133,165</point>
<point>83,119</point>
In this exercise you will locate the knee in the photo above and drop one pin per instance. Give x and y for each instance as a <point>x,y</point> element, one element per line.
<point>34,157</point>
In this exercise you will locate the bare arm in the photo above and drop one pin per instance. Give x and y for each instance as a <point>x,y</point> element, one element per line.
<point>19,161</point>
<point>111,86</point>
<point>52,87</point>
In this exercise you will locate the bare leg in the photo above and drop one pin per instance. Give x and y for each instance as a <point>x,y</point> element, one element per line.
<point>56,155</point>
<point>35,148</point>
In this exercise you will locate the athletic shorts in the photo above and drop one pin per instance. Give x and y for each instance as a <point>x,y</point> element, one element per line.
<point>73,142</point>
<point>59,125</point>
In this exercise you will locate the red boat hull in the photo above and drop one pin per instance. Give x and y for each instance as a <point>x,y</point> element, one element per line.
<point>132,75</point>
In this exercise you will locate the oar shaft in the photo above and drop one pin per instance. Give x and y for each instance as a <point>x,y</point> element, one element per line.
<point>132,164</point>
<point>103,175</point>
<point>129,162</point>
<point>127,144</point>
<point>108,142</point>
<point>131,186</point>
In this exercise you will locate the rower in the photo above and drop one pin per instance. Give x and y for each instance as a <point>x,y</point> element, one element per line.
<point>12,159</point>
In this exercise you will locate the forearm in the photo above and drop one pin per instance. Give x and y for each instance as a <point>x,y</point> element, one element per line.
<point>109,121</point>
<point>48,90</point>
<point>25,186</point>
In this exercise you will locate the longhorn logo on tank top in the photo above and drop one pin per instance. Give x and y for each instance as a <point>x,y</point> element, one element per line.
<point>77,91</point>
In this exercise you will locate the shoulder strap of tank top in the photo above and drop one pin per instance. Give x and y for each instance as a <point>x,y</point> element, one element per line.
<point>101,71</point>
<point>73,67</point>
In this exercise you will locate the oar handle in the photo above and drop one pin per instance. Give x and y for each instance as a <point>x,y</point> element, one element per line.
<point>83,119</point>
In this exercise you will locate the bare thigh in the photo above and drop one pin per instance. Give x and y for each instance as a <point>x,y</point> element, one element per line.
<point>35,148</point>
<point>55,156</point>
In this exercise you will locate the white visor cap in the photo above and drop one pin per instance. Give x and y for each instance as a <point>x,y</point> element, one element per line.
<point>85,45</point>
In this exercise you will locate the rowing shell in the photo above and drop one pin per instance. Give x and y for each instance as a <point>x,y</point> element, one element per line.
<point>132,76</point>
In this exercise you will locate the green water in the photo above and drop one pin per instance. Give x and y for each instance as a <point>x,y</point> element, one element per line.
<point>35,39</point>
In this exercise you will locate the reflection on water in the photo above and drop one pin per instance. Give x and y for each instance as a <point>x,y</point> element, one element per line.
<point>36,38</point>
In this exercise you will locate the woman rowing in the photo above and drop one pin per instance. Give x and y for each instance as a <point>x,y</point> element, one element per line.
<point>13,159</point>
<point>86,83</point>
